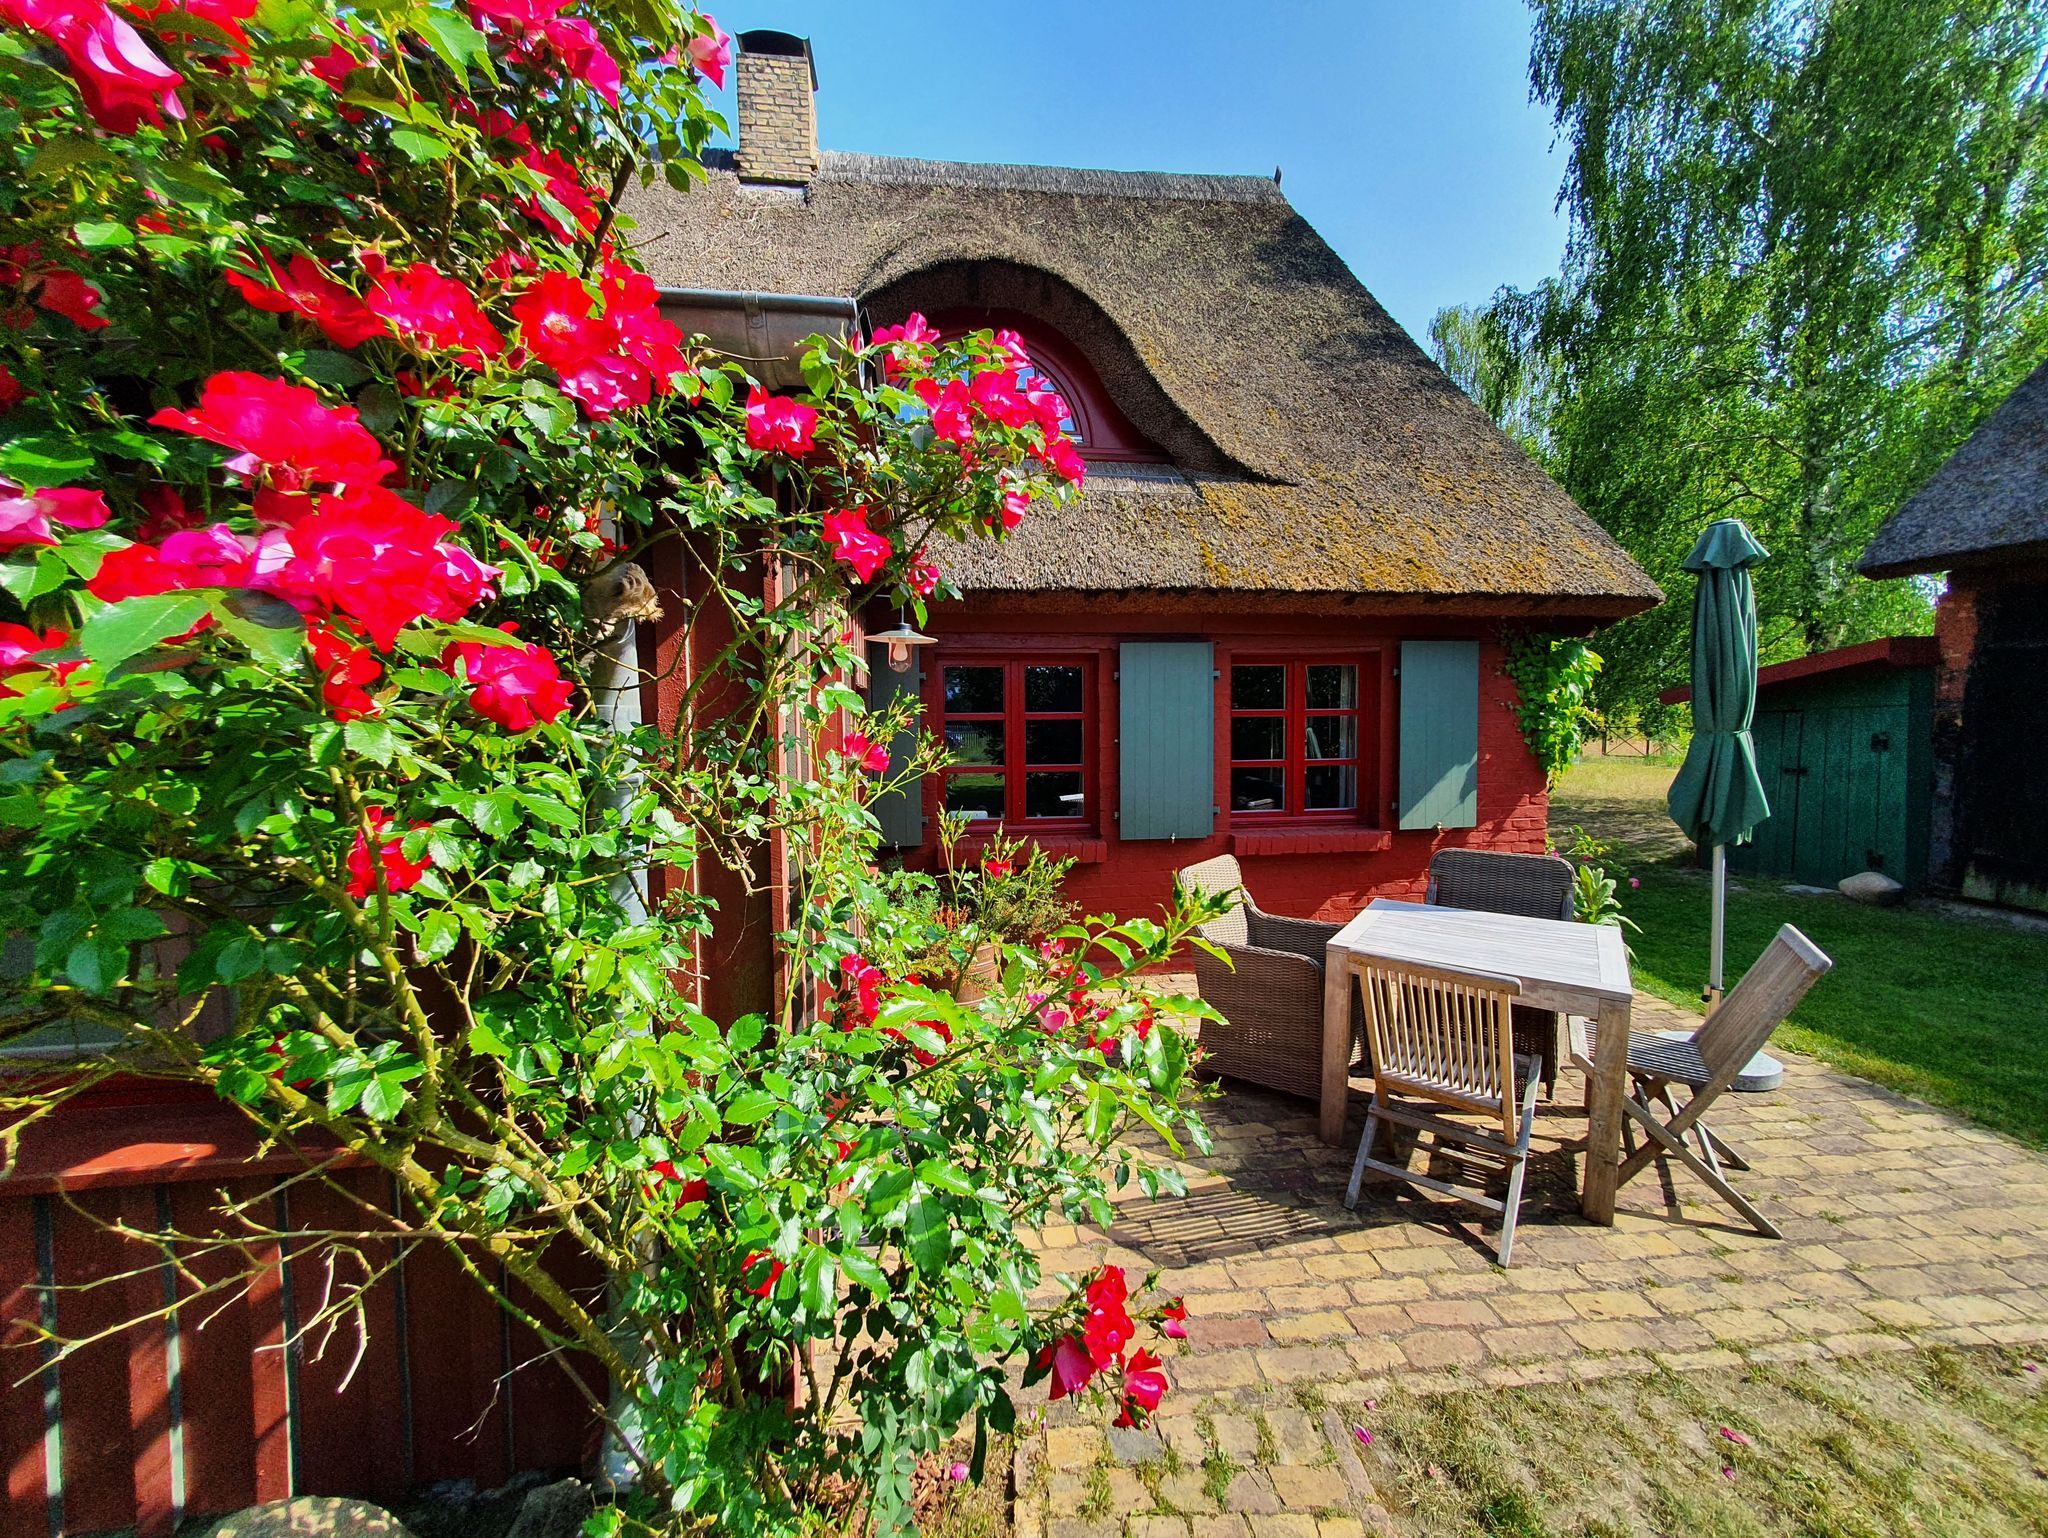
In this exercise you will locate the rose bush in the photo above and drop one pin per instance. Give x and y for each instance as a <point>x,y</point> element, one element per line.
<point>328,389</point>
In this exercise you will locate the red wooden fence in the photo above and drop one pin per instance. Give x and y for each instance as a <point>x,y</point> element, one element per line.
<point>224,1402</point>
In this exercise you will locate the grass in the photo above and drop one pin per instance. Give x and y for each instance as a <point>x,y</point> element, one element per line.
<point>1952,1010</point>
<point>1939,1443</point>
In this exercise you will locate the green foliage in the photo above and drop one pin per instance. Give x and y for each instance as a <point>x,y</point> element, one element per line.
<point>1596,885</point>
<point>1806,257</point>
<point>1554,680</point>
<point>430,938</point>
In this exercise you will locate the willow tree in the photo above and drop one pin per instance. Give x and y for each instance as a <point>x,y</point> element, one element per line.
<point>1805,258</point>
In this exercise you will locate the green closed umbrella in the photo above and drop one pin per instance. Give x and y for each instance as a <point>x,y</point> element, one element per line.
<point>1718,797</point>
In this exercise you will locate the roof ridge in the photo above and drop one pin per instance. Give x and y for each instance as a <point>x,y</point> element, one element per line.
<point>896,170</point>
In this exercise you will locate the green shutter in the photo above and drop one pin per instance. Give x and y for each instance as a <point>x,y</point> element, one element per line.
<point>1166,725</point>
<point>901,812</point>
<point>1439,745</point>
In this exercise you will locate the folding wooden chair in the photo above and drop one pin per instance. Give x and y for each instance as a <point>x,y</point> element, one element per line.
<point>1708,1064</point>
<point>1446,1037</point>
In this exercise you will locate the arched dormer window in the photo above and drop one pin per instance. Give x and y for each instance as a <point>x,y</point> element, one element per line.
<point>1099,429</point>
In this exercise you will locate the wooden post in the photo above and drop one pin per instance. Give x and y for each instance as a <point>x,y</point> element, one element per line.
<point>1603,1110</point>
<point>1337,987</point>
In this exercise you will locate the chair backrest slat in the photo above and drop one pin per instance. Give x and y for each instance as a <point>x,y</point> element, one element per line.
<point>1443,1035</point>
<point>1221,875</point>
<point>1758,1005</point>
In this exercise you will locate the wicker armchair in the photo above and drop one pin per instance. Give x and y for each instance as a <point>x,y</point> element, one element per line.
<point>1272,1003</point>
<point>1537,886</point>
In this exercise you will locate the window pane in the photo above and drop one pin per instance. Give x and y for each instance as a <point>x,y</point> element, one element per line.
<point>1258,688</point>
<point>975,742</point>
<point>1332,686</point>
<point>1257,790</point>
<point>1256,737</point>
<point>1054,795</point>
<point>1332,788</point>
<point>1048,688</point>
<point>1333,736</point>
<point>974,689</point>
<point>978,795</point>
<point>1052,742</point>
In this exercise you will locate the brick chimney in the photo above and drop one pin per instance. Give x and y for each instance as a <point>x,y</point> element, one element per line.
<point>778,108</point>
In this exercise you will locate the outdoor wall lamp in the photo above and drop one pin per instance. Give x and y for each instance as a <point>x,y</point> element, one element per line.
<point>902,642</point>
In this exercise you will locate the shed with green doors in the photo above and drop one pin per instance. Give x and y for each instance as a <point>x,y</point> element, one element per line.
<point>1845,747</point>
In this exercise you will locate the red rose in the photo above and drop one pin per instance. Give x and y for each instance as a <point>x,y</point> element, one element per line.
<point>750,1267</point>
<point>871,756</point>
<point>346,671</point>
<point>303,287</point>
<point>514,686</point>
<point>1070,1364</point>
<point>865,984</point>
<point>390,867</point>
<point>432,311</point>
<point>777,425</point>
<point>1143,1387</point>
<point>284,427</point>
<point>854,544</point>
<point>1107,1328</point>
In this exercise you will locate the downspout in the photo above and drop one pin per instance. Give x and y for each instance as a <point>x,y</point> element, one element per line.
<point>762,331</point>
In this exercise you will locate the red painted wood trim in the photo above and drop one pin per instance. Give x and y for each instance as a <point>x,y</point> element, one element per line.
<point>1898,651</point>
<point>96,1144</point>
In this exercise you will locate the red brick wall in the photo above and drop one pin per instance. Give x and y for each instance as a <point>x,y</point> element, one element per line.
<point>1328,873</point>
<point>1955,635</point>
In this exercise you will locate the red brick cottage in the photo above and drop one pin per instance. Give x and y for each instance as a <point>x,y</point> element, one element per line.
<point>1983,520</point>
<point>1271,625</point>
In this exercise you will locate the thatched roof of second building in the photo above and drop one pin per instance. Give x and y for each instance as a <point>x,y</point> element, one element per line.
<point>1314,447</point>
<point>1989,502</point>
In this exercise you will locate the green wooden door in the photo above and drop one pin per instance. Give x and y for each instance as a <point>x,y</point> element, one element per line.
<point>1777,735</point>
<point>1166,739</point>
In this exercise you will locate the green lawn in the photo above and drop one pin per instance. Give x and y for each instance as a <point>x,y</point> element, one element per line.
<point>1951,1010</point>
<point>1940,1444</point>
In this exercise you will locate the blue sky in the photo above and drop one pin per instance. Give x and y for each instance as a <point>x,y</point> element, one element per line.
<point>1403,126</point>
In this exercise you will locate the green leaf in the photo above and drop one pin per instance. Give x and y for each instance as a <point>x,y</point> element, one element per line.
<point>453,37</point>
<point>438,933</point>
<point>272,630</point>
<point>419,146</point>
<point>374,740</point>
<point>384,1097</point>
<point>930,1235</point>
<point>45,461</point>
<point>750,1107</point>
<point>95,234</point>
<point>819,1285</point>
<point>334,368</point>
<point>121,630</point>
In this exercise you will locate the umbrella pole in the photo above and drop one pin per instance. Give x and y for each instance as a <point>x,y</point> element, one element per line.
<point>1719,929</point>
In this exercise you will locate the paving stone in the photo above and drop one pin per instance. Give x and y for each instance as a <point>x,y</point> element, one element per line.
<point>1157,1527</point>
<point>1224,1525</point>
<point>1129,1445</point>
<point>1321,1325</point>
<point>1251,1494</point>
<point>1443,1348</point>
<point>1304,1487</point>
<point>1073,1447</point>
<point>1236,1436</point>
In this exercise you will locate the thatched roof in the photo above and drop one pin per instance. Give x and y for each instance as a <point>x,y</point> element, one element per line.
<point>1988,502</point>
<point>1314,447</point>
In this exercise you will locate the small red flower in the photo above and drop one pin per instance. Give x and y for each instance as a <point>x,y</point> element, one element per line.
<point>26,517</point>
<point>1143,1387</point>
<point>1173,1320</point>
<point>346,671</point>
<point>922,578</point>
<point>303,287</point>
<point>996,865</point>
<point>431,310</point>
<point>864,982</point>
<point>711,56</point>
<point>122,80</point>
<point>694,1189</point>
<point>1107,1328</point>
<point>515,686</point>
<point>284,428</point>
<point>778,425</point>
<point>854,544</point>
<point>390,867</point>
<point>951,406</point>
<point>871,756</point>
<point>1071,1366</point>
<point>749,1267</point>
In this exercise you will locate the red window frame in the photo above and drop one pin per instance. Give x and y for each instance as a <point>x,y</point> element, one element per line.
<point>1104,432</point>
<point>1293,713</point>
<point>1014,718</point>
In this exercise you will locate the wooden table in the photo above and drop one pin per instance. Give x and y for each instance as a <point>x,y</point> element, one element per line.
<point>1577,969</point>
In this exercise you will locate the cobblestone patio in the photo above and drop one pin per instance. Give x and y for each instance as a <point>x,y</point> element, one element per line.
<point>1902,1224</point>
